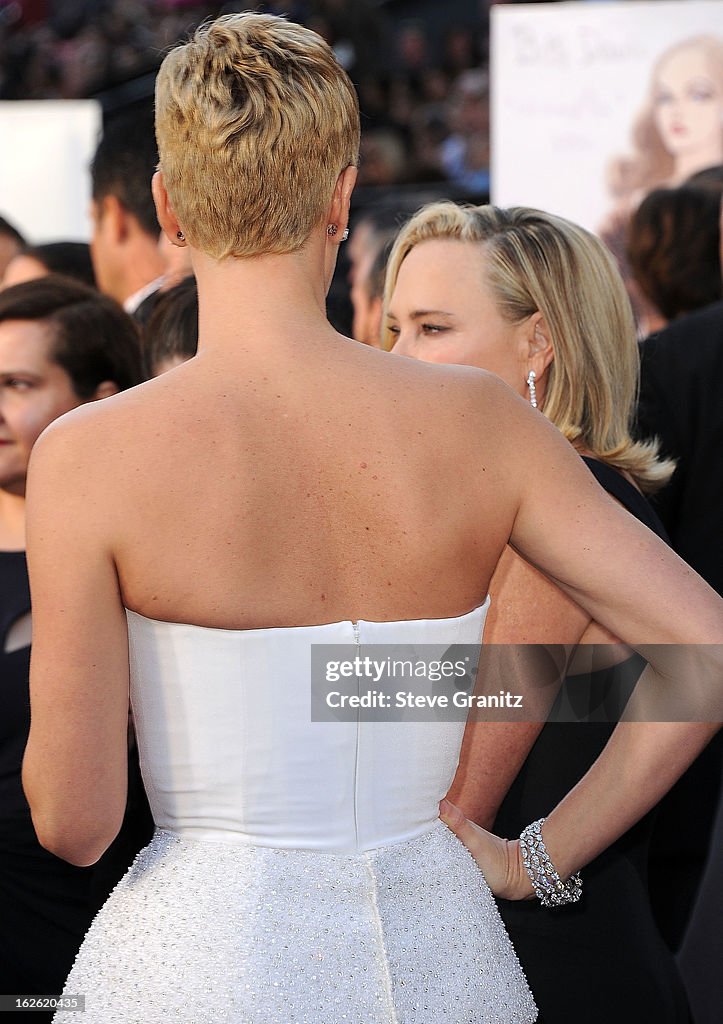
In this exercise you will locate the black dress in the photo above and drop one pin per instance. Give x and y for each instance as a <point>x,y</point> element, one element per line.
<point>601,960</point>
<point>46,904</point>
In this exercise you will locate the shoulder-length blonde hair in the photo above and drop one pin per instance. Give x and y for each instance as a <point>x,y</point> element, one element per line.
<point>650,164</point>
<point>536,262</point>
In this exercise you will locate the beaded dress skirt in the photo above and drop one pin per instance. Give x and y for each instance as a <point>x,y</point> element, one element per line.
<point>299,872</point>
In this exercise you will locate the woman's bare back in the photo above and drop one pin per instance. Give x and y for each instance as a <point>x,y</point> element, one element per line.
<point>345,483</point>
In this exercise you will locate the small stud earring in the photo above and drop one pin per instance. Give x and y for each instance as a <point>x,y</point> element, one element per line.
<point>331,230</point>
<point>345,235</point>
<point>531,378</point>
<point>180,236</point>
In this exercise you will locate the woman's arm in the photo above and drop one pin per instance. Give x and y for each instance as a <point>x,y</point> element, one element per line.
<point>627,579</point>
<point>75,766</point>
<point>640,763</point>
<point>525,607</point>
<point>619,572</point>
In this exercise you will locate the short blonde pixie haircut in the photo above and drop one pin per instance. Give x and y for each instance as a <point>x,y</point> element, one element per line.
<point>536,262</point>
<point>255,120</point>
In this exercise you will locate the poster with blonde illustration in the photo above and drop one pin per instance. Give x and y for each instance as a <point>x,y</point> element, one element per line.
<point>595,105</point>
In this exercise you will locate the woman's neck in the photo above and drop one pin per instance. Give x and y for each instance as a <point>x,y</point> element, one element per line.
<point>12,521</point>
<point>260,306</point>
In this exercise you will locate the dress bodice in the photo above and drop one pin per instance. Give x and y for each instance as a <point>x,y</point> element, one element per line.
<point>229,750</point>
<point>300,872</point>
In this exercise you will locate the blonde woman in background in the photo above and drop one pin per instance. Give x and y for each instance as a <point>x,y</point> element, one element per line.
<point>680,129</point>
<point>678,133</point>
<point>538,301</point>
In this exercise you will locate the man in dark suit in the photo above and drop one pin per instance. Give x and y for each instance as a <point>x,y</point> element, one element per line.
<point>681,403</point>
<point>128,263</point>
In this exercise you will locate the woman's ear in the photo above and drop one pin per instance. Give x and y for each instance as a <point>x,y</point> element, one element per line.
<point>164,211</point>
<point>540,352</point>
<point>341,200</point>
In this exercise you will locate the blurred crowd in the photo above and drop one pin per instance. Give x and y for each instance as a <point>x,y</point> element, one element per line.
<point>423,83</point>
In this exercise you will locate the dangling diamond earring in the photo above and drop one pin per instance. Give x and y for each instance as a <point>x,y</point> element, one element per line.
<point>531,378</point>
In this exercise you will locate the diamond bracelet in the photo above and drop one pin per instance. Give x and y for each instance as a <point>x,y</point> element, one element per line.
<point>549,887</point>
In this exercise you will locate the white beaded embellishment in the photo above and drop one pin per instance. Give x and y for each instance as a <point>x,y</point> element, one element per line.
<point>549,887</point>
<point>202,932</point>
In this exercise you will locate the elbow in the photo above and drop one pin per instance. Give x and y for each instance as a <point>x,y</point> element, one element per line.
<point>79,855</point>
<point>80,846</point>
<point>78,830</point>
<point>79,838</point>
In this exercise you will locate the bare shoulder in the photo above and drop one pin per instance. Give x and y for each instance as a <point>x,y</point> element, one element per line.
<point>433,376</point>
<point>455,393</point>
<point>481,415</point>
<point>81,438</point>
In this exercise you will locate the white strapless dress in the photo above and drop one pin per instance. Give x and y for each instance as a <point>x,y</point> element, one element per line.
<point>299,872</point>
